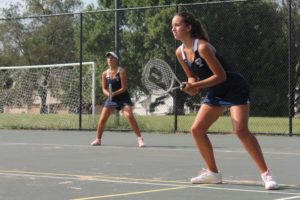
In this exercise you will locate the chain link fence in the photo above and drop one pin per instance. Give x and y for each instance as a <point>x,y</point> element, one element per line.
<point>259,38</point>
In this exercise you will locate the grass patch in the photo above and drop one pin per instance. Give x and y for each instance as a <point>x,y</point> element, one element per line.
<point>165,124</point>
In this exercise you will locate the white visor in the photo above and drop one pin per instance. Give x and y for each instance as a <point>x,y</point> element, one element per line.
<point>113,54</point>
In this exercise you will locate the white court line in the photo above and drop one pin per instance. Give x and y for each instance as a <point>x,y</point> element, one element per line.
<point>192,148</point>
<point>265,152</point>
<point>288,198</point>
<point>129,193</point>
<point>127,180</point>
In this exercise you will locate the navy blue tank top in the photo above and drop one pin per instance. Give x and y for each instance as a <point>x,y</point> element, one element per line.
<point>201,71</point>
<point>116,85</point>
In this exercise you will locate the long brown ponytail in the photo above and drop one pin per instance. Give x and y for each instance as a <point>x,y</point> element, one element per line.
<point>198,31</point>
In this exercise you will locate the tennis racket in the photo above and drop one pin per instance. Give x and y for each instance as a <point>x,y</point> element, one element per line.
<point>158,77</point>
<point>109,103</point>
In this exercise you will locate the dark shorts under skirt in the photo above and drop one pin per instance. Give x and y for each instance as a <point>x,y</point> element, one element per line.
<point>214,101</point>
<point>235,91</point>
<point>121,101</point>
<point>120,104</point>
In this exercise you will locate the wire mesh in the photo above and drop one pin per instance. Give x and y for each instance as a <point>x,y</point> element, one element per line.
<point>253,36</point>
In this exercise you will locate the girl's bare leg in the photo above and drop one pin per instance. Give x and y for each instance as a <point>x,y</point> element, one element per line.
<point>206,116</point>
<point>239,117</point>
<point>127,111</point>
<point>105,113</point>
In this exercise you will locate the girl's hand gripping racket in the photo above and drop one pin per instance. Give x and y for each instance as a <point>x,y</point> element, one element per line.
<point>158,77</point>
<point>109,103</point>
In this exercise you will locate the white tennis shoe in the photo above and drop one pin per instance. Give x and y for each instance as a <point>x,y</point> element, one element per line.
<point>207,177</point>
<point>96,142</point>
<point>141,142</point>
<point>269,181</point>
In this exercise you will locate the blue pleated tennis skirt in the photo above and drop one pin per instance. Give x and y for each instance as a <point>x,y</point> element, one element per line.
<point>234,91</point>
<point>121,101</point>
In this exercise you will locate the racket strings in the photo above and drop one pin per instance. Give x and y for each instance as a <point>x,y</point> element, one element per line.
<point>157,77</point>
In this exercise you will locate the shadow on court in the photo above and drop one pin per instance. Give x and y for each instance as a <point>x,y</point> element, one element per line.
<point>62,165</point>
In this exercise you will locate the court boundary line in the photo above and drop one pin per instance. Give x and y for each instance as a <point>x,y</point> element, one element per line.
<point>191,148</point>
<point>131,193</point>
<point>128,180</point>
<point>288,198</point>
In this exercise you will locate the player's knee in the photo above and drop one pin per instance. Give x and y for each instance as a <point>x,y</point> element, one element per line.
<point>128,115</point>
<point>127,112</point>
<point>197,132</point>
<point>241,133</point>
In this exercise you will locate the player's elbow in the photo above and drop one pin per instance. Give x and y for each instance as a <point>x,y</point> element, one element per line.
<point>123,89</point>
<point>222,77</point>
<point>106,93</point>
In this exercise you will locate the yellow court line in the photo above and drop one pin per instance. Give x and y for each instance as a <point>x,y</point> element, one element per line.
<point>131,193</point>
<point>98,177</point>
<point>173,184</point>
<point>94,177</point>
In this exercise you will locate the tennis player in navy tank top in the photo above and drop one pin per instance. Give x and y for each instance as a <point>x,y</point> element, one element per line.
<point>226,88</point>
<point>117,77</point>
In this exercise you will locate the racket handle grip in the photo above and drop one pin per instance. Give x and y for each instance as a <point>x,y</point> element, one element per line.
<point>179,87</point>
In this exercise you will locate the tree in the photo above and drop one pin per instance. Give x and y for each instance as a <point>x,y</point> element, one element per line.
<point>251,36</point>
<point>144,34</point>
<point>40,40</point>
<point>253,40</point>
<point>98,38</point>
<point>149,34</point>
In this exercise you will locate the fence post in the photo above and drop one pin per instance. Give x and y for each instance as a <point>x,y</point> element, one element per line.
<point>175,92</point>
<point>117,47</point>
<point>80,76</point>
<point>291,70</point>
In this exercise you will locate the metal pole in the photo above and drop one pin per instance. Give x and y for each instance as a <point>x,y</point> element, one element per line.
<point>117,27</point>
<point>290,74</point>
<point>117,47</point>
<point>175,92</point>
<point>80,77</point>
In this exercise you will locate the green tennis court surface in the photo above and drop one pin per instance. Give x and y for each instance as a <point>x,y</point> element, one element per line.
<point>62,165</point>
